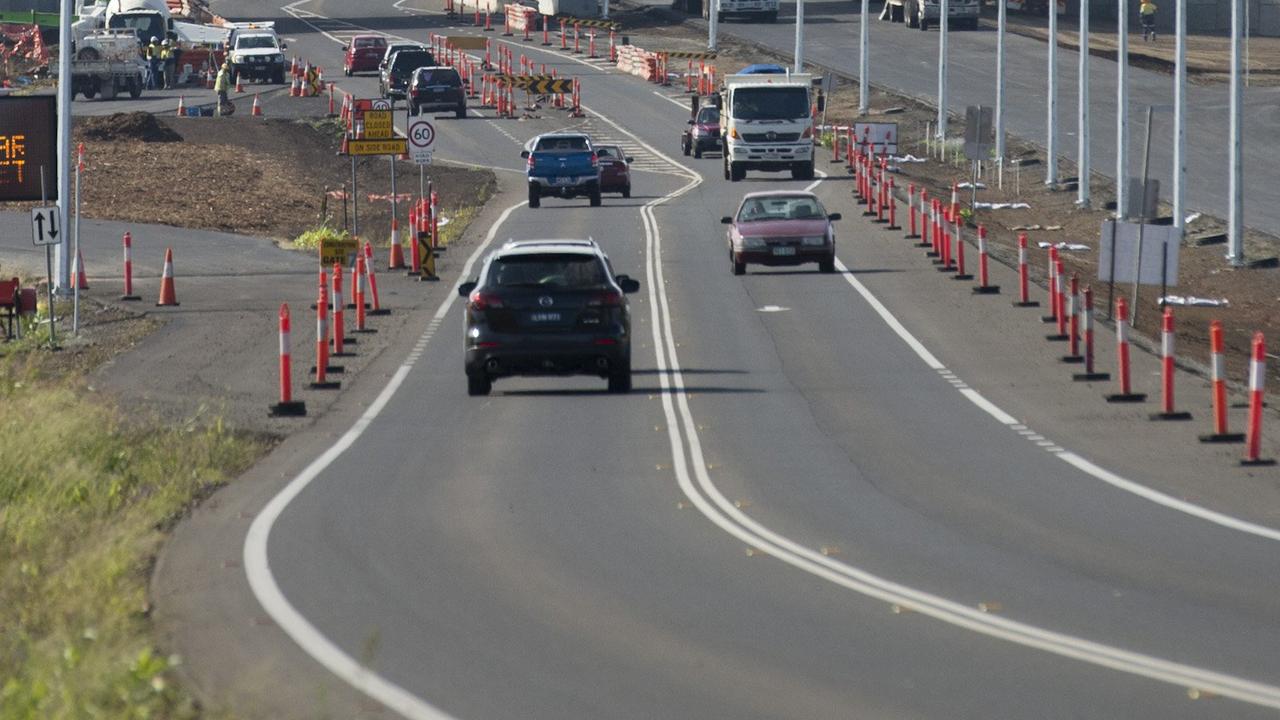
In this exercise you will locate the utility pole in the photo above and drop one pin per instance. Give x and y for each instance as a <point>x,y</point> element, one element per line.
<point>1235,184</point>
<point>63,248</point>
<point>713,19</point>
<point>1179,110</point>
<point>1000,30</point>
<point>1122,107</point>
<point>1051,143</point>
<point>863,58</point>
<point>942,71</point>
<point>799,36</point>
<point>1082,112</point>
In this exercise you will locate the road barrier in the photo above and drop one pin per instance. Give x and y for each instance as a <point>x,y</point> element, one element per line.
<point>1218,378</point>
<point>1089,374</point>
<point>358,293</point>
<point>372,277</point>
<point>1024,299</point>
<point>924,219</point>
<point>1059,301</point>
<point>1073,327</point>
<point>893,207</point>
<point>168,295</point>
<point>1053,287</point>
<point>984,277</point>
<point>287,407</point>
<point>1126,394</point>
<point>1257,379</point>
<point>339,314</point>
<point>911,211</point>
<point>322,367</point>
<point>1167,411</point>
<point>127,241</point>
<point>961,272</point>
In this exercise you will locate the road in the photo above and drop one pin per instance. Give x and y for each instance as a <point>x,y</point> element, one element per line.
<point>816,503</point>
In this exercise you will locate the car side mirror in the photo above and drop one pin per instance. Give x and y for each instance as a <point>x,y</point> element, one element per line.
<point>465,288</point>
<point>691,122</point>
<point>833,216</point>
<point>345,48</point>
<point>627,284</point>
<point>726,220</point>
<point>284,46</point>
<point>629,159</point>
<point>524,153</point>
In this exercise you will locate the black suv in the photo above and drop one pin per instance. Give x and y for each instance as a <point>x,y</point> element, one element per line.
<point>548,307</point>
<point>436,88</point>
<point>394,78</point>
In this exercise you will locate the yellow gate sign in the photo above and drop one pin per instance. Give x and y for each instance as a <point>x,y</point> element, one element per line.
<point>377,125</point>
<point>338,251</point>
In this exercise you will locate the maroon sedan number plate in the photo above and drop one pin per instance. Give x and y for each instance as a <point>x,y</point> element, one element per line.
<point>784,250</point>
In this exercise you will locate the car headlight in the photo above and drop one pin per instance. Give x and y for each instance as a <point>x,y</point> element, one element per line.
<point>814,240</point>
<point>277,58</point>
<point>752,242</point>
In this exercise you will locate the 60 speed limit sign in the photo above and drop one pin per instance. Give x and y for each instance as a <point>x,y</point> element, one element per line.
<point>422,138</point>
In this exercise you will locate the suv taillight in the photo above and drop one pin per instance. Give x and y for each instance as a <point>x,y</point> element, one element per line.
<point>484,301</point>
<point>608,298</point>
<point>595,160</point>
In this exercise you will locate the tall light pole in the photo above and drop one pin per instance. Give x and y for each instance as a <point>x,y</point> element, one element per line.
<point>1082,112</point>
<point>799,36</point>
<point>1235,183</point>
<point>1000,29</point>
<point>1051,143</point>
<point>63,249</point>
<point>1122,107</point>
<point>1179,110</point>
<point>863,54</point>
<point>943,10</point>
<point>713,18</point>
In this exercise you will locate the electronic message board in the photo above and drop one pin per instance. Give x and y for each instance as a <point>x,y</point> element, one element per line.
<point>28,140</point>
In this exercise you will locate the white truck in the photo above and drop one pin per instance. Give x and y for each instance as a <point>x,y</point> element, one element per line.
<point>146,18</point>
<point>924,13</point>
<point>766,10</point>
<point>106,63</point>
<point>766,123</point>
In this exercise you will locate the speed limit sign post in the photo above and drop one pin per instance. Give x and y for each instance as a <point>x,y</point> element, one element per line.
<point>422,138</point>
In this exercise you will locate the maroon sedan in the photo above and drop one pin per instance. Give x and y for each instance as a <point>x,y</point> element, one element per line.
<point>781,227</point>
<point>615,175</point>
<point>363,54</point>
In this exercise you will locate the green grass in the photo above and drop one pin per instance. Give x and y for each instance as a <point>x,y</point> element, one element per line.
<point>311,239</point>
<point>85,503</point>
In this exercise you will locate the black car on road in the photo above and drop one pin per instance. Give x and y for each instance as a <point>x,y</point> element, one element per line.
<point>548,307</point>
<point>393,79</point>
<point>434,89</point>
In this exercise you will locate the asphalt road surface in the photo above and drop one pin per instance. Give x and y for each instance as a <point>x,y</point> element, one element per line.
<point>816,503</point>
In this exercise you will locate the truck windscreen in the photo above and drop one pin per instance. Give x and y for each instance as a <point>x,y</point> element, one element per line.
<point>770,103</point>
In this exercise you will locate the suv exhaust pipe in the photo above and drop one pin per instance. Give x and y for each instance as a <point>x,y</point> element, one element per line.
<point>602,363</point>
<point>491,365</point>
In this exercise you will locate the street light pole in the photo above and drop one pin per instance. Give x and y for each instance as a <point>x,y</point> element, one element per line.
<point>943,10</point>
<point>1001,14</point>
<point>1122,107</point>
<point>1051,143</point>
<point>713,18</point>
<point>1235,183</point>
<point>799,36</point>
<point>1179,110</point>
<point>63,248</point>
<point>1083,158</point>
<point>863,55</point>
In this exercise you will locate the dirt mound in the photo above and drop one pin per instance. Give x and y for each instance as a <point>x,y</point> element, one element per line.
<point>126,126</point>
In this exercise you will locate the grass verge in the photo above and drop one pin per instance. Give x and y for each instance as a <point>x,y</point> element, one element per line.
<point>85,503</point>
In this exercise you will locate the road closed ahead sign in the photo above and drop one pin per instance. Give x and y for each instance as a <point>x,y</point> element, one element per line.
<point>422,139</point>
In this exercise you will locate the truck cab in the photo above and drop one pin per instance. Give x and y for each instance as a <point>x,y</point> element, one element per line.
<point>766,123</point>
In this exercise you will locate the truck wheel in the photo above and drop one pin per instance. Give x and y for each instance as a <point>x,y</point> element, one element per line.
<point>595,195</point>
<point>736,172</point>
<point>771,17</point>
<point>535,196</point>
<point>802,171</point>
<point>90,89</point>
<point>135,87</point>
<point>726,166</point>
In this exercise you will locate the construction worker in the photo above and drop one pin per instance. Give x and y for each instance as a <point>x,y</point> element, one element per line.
<point>152,53</point>
<point>220,86</point>
<point>169,61</point>
<point>1147,11</point>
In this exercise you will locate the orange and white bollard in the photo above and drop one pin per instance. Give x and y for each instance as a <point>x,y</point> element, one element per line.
<point>563,44</point>
<point>488,21</point>
<point>1059,302</point>
<point>1053,287</point>
<point>182,106</point>
<point>546,26</point>
<point>591,45</point>
<point>577,38</point>
<point>415,254</point>
<point>961,272</point>
<point>1073,326</point>
<point>168,295</point>
<point>359,293</point>
<point>395,260</point>
<point>339,314</point>
<point>613,49</point>
<point>984,286</point>
<point>82,280</point>
<point>893,207</point>
<point>1089,374</point>
<point>1218,378</point>
<point>911,212</point>
<point>287,407</point>
<point>372,278</point>
<point>1167,411</point>
<point>1126,394</point>
<point>1257,380</point>
<point>1024,282</point>
<point>322,367</point>
<point>506,24</point>
<point>128,268</point>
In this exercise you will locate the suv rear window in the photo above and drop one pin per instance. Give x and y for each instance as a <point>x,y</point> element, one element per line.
<point>447,76</point>
<point>411,60</point>
<point>572,142</point>
<point>547,270</point>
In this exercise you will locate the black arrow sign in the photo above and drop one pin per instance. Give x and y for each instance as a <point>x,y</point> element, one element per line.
<point>53,226</point>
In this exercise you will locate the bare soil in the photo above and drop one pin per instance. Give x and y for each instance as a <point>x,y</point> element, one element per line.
<point>1203,272</point>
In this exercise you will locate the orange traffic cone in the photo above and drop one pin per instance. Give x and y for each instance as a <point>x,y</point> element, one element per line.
<point>239,85</point>
<point>345,148</point>
<point>182,106</point>
<point>81,281</point>
<point>396,261</point>
<point>257,108</point>
<point>167,294</point>
<point>295,89</point>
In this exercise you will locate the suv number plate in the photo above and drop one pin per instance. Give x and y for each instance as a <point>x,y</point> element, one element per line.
<point>544,317</point>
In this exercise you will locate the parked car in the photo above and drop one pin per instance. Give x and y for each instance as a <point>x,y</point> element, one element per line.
<point>703,133</point>
<point>363,53</point>
<point>433,89</point>
<point>393,80</point>
<point>615,170</point>
<point>563,164</point>
<point>781,227</point>
<point>547,307</point>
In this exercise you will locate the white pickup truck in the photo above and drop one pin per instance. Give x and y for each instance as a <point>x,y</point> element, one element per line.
<point>923,13</point>
<point>766,10</point>
<point>766,123</point>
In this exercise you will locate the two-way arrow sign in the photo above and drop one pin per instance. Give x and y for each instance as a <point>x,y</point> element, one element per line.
<point>44,225</point>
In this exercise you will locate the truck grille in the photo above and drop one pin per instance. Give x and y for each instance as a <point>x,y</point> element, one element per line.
<point>765,137</point>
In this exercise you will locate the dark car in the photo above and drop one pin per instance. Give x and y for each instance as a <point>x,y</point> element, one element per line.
<point>393,81</point>
<point>781,227</point>
<point>433,89</point>
<point>363,53</point>
<point>703,133</point>
<point>615,170</point>
<point>547,307</point>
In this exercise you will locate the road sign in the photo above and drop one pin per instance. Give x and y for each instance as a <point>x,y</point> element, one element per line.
<point>28,142</point>
<point>377,125</point>
<point>381,104</point>
<point>979,132</point>
<point>338,250</point>
<point>1159,254</point>
<point>879,137</point>
<point>466,42</point>
<point>422,138</point>
<point>395,146</point>
<point>44,225</point>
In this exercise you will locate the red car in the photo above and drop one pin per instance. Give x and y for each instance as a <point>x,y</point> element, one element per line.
<point>781,227</point>
<point>363,54</point>
<point>615,175</point>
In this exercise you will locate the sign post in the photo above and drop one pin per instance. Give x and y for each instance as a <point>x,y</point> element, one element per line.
<point>45,224</point>
<point>422,138</point>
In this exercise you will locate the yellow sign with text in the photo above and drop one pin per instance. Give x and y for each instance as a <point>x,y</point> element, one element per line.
<point>466,42</point>
<point>398,146</point>
<point>342,251</point>
<point>377,125</point>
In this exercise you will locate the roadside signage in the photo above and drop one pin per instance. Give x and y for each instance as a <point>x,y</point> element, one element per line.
<point>879,137</point>
<point>394,146</point>
<point>979,132</point>
<point>342,251</point>
<point>381,104</point>
<point>44,225</point>
<point>466,42</point>
<point>1124,244</point>
<point>28,142</point>
<point>377,125</point>
<point>422,138</point>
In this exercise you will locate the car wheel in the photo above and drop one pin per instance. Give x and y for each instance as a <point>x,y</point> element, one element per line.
<point>924,21</point>
<point>413,110</point>
<point>620,379</point>
<point>535,196</point>
<point>461,112</point>
<point>739,268</point>
<point>912,19</point>
<point>478,385</point>
<point>626,191</point>
<point>684,146</point>
<point>801,171</point>
<point>827,266</point>
<point>697,151</point>
<point>346,71</point>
